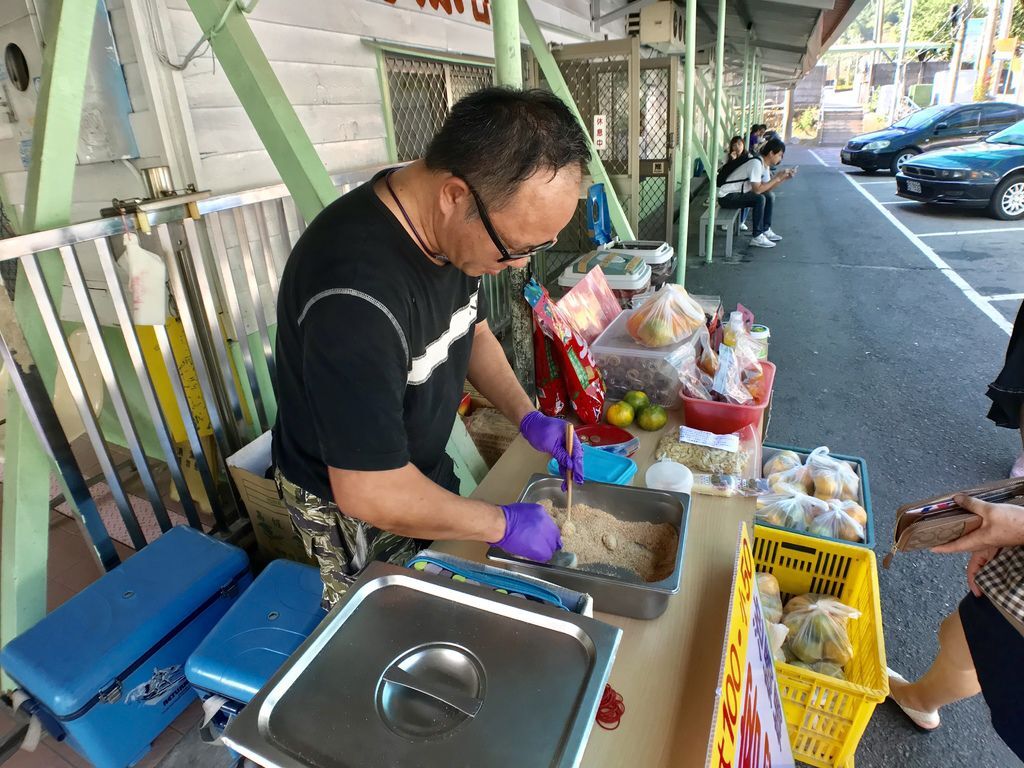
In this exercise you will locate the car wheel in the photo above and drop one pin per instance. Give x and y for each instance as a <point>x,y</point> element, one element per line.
<point>901,159</point>
<point>1008,200</point>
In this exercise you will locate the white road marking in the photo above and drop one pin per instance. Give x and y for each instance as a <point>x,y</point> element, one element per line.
<point>1006,297</point>
<point>899,202</point>
<point>972,295</point>
<point>880,181</point>
<point>818,158</point>
<point>972,232</point>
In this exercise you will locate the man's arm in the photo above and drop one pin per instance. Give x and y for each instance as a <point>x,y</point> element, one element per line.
<point>491,374</point>
<point>405,502</point>
<point>760,187</point>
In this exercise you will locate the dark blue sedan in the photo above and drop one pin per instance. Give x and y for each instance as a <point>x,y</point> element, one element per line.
<point>988,174</point>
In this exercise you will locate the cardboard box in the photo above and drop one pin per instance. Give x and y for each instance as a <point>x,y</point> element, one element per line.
<point>271,523</point>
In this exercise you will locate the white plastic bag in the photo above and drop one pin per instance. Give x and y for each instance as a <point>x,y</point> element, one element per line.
<point>147,283</point>
<point>833,479</point>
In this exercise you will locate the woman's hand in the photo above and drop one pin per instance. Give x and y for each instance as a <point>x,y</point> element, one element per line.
<point>1002,525</point>
<point>978,560</point>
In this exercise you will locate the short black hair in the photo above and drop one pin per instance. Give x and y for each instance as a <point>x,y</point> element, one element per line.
<point>496,138</point>
<point>773,145</point>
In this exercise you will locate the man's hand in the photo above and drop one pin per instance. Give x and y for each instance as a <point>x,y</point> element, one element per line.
<point>978,560</point>
<point>547,435</point>
<point>1002,525</point>
<point>529,532</point>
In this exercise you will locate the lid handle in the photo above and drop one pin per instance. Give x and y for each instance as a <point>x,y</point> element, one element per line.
<point>468,705</point>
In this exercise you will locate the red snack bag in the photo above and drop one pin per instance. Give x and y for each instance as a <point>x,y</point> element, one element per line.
<point>550,385</point>
<point>583,381</point>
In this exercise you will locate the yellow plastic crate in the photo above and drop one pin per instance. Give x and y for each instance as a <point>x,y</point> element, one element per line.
<point>826,717</point>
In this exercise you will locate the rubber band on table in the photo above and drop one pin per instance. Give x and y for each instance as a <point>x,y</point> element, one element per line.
<point>611,710</point>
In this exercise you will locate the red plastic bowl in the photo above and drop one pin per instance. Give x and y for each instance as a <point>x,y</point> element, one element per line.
<point>608,437</point>
<point>726,418</point>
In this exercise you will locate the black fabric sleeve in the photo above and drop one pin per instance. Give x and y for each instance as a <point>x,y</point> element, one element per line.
<point>355,369</point>
<point>481,303</point>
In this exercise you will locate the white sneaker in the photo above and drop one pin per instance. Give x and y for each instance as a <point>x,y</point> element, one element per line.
<point>744,227</point>
<point>772,236</point>
<point>761,241</point>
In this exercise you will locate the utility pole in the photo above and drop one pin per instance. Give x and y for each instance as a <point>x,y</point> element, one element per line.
<point>960,14</point>
<point>1005,23</point>
<point>985,57</point>
<point>877,39</point>
<point>901,63</point>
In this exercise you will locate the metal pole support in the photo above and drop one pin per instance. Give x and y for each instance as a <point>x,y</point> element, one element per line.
<point>689,67</point>
<point>717,140</point>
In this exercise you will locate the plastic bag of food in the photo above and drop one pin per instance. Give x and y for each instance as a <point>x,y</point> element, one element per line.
<point>835,523</point>
<point>728,485</point>
<point>821,667</point>
<point>791,481</point>
<point>708,453</point>
<point>818,629</point>
<point>856,511</point>
<point>833,479</point>
<point>771,599</point>
<point>583,381</point>
<point>707,361</point>
<point>777,634</point>
<point>590,305</point>
<point>793,512</point>
<point>782,461</point>
<point>696,383</point>
<point>666,319</point>
<point>551,392</point>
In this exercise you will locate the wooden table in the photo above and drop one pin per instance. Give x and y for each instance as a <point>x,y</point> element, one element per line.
<point>666,669</point>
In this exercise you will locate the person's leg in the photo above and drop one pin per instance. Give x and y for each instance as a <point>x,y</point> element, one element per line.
<point>758,204</point>
<point>769,204</point>
<point>1018,466</point>
<point>951,677</point>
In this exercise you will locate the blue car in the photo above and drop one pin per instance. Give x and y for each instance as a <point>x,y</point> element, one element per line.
<point>987,174</point>
<point>939,127</point>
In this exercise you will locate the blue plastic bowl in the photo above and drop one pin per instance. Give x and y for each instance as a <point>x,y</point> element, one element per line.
<point>602,467</point>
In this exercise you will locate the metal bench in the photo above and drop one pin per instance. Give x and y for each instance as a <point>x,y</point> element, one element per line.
<point>725,218</point>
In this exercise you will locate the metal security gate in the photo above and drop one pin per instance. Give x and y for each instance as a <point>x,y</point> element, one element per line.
<point>658,124</point>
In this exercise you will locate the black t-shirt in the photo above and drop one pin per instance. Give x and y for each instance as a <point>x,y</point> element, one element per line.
<point>373,346</point>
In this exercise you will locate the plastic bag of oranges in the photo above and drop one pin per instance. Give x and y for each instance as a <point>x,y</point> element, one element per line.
<point>833,479</point>
<point>668,318</point>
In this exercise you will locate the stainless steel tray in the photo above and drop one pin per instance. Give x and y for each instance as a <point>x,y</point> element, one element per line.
<point>640,600</point>
<point>412,670</point>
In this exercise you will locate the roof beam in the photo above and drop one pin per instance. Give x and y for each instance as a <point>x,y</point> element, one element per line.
<point>772,46</point>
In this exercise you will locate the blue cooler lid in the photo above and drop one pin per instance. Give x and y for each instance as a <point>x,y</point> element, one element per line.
<point>602,467</point>
<point>76,651</point>
<point>259,632</point>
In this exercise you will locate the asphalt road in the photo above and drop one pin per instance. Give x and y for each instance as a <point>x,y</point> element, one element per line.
<point>885,339</point>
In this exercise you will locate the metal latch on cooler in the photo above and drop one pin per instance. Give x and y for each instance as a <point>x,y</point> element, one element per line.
<point>111,693</point>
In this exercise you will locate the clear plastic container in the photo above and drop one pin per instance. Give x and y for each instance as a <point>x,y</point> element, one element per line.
<point>658,255</point>
<point>626,364</point>
<point>627,277</point>
<point>761,334</point>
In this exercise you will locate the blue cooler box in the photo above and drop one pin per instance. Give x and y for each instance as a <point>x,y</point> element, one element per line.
<point>106,670</point>
<point>273,618</point>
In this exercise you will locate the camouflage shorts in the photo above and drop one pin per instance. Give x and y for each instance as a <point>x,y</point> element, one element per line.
<point>342,545</point>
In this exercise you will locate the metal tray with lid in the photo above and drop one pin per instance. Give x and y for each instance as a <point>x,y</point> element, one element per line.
<point>612,593</point>
<point>409,670</point>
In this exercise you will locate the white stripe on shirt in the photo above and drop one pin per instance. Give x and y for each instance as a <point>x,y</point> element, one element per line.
<point>436,352</point>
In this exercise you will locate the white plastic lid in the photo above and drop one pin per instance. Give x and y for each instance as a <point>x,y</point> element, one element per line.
<point>654,252</point>
<point>622,273</point>
<point>760,332</point>
<point>668,475</point>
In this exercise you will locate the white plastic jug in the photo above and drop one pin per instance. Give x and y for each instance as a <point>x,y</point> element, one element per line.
<point>147,283</point>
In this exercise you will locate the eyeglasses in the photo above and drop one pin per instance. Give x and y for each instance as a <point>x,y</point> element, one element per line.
<point>506,255</point>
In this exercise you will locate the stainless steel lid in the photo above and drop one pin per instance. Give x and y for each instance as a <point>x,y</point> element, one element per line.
<point>412,670</point>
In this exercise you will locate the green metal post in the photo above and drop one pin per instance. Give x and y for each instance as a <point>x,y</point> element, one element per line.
<point>549,67</point>
<point>689,65</point>
<point>266,103</point>
<point>745,108</point>
<point>48,197</point>
<point>385,105</point>
<point>508,66</point>
<point>716,139</point>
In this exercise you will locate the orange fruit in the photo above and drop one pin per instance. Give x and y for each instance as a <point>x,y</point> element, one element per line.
<point>652,418</point>
<point>620,414</point>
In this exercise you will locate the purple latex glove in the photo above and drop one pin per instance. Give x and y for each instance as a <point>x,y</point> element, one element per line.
<point>529,532</point>
<point>547,435</point>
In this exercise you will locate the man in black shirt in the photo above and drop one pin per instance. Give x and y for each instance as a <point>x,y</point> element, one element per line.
<point>381,318</point>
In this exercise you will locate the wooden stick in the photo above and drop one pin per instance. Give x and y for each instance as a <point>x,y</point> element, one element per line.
<point>569,434</point>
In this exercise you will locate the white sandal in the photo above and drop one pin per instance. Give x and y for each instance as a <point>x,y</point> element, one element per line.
<point>926,721</point>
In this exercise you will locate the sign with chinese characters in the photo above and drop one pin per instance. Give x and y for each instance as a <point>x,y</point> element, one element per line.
<point>600,132</point>
<point>749,729</point>
<point>481,9</point>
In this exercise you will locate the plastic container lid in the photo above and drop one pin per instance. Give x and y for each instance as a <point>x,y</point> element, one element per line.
<point>602,467</point>
<point>654,252</point>
<point>668,475</point>
<point>760,332</point>
<point>615,340</point>
<point>622,274</point>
